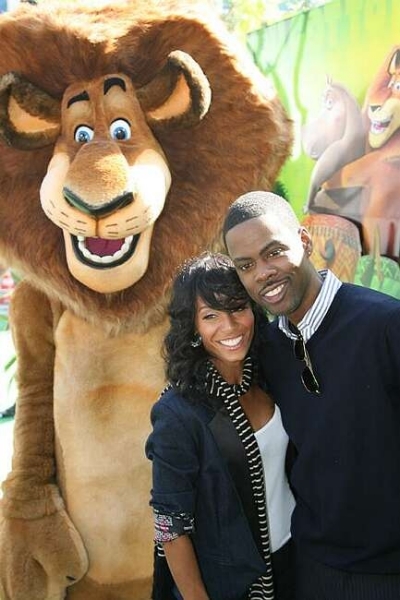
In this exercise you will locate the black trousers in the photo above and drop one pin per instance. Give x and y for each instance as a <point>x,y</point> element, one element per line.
<point>315,581</point>
<point>283,568</point>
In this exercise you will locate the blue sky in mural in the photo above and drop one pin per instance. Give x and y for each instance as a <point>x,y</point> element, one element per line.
<point>298,4</point>
<point>278,9</point>
<point>274,9</point>
<point>248,15</point>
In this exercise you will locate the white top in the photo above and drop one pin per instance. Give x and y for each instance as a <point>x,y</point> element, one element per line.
<point>272,440</point>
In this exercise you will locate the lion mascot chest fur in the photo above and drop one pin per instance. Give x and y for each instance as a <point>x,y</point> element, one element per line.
<point>126,130</point>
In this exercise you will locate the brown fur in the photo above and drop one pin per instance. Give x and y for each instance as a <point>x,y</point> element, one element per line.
<point>89,362</point>
<point>253,138</point>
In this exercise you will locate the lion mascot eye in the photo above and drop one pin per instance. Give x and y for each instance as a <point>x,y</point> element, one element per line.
<point>83,134</point>
<point>120,130</point>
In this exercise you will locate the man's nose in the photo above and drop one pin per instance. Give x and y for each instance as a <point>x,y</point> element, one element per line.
<point>264,272</point>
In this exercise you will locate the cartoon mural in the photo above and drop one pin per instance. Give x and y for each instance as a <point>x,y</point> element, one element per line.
<point>367,189</point>
<point>333,137</point>
<point>336,244</point>
<point>346,155</point>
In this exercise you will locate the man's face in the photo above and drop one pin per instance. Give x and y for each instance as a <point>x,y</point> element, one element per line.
<point>270,260</point>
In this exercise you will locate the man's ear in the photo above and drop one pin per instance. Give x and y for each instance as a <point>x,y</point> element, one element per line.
<point>306,240</point>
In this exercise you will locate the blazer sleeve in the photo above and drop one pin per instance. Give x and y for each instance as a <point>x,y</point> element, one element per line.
<point>173,450</point>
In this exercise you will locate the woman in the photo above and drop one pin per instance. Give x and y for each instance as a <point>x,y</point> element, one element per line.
<point>221,501</point>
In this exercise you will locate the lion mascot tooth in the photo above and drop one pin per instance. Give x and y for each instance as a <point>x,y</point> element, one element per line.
<point>126,129</point>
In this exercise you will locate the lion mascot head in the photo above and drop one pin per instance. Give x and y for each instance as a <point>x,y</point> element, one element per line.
<point>126,129</point>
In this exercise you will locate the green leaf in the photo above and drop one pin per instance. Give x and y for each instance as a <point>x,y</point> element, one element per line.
<point>4,324</point>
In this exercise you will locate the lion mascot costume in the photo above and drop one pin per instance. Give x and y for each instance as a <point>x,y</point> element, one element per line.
<point>126,129</point>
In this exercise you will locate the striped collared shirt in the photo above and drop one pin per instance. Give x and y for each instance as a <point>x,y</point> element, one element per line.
<point>314,316</point>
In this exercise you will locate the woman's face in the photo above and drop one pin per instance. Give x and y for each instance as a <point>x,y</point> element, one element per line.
<point>226,335</point>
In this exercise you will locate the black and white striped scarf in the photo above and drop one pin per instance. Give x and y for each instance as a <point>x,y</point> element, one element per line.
<point>217,387</point>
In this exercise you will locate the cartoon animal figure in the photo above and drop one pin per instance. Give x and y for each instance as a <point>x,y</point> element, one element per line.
<point>336,244</point>
<point>333,137</point>
<point>378,171</point>
<point>127,129</point>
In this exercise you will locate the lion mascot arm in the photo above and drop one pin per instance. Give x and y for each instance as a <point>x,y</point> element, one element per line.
<point>41,552</point>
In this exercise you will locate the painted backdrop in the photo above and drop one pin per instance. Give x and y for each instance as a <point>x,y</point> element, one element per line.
<point>337,69</point>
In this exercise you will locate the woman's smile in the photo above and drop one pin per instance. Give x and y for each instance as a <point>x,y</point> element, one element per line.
<point>232,343</point>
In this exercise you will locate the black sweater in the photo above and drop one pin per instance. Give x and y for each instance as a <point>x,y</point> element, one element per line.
<point>347,473</point>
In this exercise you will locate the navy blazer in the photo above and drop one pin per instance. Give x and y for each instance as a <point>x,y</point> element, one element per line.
<point>200,467</point>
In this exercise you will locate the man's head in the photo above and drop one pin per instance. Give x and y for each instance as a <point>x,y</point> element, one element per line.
<point>270,250</point>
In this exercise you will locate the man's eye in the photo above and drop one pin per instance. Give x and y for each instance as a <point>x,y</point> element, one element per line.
<point>245,267</point>
<point>276,252</point>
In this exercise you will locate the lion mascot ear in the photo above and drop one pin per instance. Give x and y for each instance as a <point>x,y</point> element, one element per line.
<point>178,96</point>
<point>29,117</point>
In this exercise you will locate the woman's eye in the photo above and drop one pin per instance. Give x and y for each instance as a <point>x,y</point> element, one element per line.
<point>120,130</point>
<point>209,316</point>
<point>83,134</point>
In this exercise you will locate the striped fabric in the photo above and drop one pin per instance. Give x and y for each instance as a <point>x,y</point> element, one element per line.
<point>315,315</point>
<point>320,582</point>
<point>263,588</point>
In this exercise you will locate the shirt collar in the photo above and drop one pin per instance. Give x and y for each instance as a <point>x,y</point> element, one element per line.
<point>314,316</point>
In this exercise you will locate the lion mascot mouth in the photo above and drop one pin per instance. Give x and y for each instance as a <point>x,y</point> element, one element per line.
<point>108,178</point>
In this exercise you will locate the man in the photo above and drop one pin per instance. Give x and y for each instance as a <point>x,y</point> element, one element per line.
<point>332,361</point>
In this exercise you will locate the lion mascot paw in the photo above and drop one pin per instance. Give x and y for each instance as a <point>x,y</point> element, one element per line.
<point>40,557</point>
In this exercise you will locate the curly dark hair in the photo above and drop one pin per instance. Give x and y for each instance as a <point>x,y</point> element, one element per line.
<point>213,278</point>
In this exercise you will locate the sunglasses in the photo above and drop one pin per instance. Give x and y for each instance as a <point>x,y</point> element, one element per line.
<point>308,378</point>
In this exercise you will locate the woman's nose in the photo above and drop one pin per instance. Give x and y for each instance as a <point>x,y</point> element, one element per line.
<point>228,321</point>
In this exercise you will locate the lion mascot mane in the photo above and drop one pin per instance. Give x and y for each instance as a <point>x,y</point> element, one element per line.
<point>126,129</point>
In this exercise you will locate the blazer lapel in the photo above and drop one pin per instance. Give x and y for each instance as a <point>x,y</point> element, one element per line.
<point>232,450</point>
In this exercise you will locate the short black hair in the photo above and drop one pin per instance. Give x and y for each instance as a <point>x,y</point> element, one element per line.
<point>256,204</point>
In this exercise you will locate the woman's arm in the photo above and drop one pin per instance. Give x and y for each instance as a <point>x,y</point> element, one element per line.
<point>183,565</point>
<point>174,451</point>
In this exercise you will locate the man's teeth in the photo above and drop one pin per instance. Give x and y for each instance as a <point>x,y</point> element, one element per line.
<point>104,259</point>
<point>232,341</point>
<point>272,293</point>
